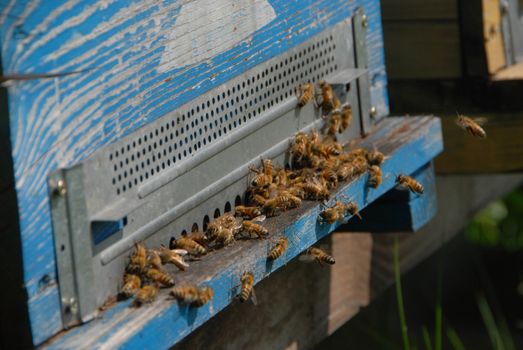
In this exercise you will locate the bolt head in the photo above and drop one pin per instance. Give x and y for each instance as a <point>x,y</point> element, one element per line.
<point>364,21</point>
<point>58,187</point>
<point>373,111</point>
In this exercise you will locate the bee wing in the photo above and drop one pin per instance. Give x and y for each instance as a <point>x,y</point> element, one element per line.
<point>253,297</point>
<point>306,258</point>
<point>260,218</point>
<point>480,120</point>
<point>181,252</point>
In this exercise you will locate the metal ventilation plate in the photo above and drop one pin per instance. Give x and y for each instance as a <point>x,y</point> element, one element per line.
<point>192,164</point>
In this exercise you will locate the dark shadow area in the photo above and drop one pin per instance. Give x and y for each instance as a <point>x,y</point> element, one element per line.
<point>14,319</point>
<point>468,270</point>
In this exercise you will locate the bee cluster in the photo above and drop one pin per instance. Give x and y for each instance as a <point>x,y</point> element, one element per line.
<point>318,165</point>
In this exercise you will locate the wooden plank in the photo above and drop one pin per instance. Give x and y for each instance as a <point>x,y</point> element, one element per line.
<point>493,35</point>
<point>325,298</point>
<point>403,10</point>
<point>500,152</point>
<point>410,143</point>
<point>422,49</point>
<point>137,63</point>
<point>514,72</point>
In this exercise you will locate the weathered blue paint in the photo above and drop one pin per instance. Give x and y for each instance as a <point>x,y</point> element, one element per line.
<point>58,122</point>
<point>400,210</point>
<point>164,323</point>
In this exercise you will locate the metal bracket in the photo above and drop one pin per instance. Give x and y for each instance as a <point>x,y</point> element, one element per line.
<point>512,28</point>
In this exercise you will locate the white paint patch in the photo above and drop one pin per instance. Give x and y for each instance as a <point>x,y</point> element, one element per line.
<point>205,28</point>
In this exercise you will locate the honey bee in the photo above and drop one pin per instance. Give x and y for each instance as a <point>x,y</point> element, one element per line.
<point>281,178</point>
<point>146,294</point>
<point>131,285</point>
<point>252,227</point>
<point>247,286</point>
<point>187,244</point>
<point>198,237</point>
<point>259,199</point>
<point>226,221</point>
<point>337,103</point>
<point>327,96</point>
<point>262,178</point>
<point>153,259</point>
<point>409,183</point>
<point>138,259</point>
<point>345,171</point>
<point>353,154</point>
<point>376,158</point>
<point>352,209</point>
<point>173,256</point>
<point>283,201</point>
<point>472,126</point>
<point>225,236</point>
<point>335,213</point>
<point>346,116</point>
<point>306,93</point>
<point>315,191</point>
<point>360,165</point>
<point>159,276</point>
<point>320,256</point>
<point>278,249</point>
<point>375,176</point>
<point>331,177</point>
<point>298,147</point>
<point>335,123</point>
<point>192,295</point>
<point>247,212</point>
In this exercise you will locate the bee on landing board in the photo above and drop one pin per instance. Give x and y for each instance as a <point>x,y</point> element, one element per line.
<point>376,158</point>
<point>278,249</point>
<point>404,181</point>
<point>160,277</point>
<point>472,126</point>
<point>247,212</point>
<point>252,227</point>
<point>185,243</point>
<point>305,94</point>
<point>192,295</point>
<point>173,256</point>
<point>146,295</point>
<point>247,290</point>
<point>131,285</point>
<point>375,176</point>
<point>138,259</point>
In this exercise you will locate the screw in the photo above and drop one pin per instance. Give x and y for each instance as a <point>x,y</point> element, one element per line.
<point>70,305</point>
<point>373,111</point>
<point>58,187</point>
<point>364,21</point>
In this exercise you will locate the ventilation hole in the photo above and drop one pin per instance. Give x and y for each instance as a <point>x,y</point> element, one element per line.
<point>238,200</point>
<point>205,222</point>
<point>194,227</point>
<point>227,207</point>
<point>216,213</point>
<point>184,232</point>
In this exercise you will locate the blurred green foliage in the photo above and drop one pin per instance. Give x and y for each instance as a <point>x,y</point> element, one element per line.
<point>500,224</point>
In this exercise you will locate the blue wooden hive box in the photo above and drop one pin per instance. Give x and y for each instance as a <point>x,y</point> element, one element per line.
<point>134,121</point>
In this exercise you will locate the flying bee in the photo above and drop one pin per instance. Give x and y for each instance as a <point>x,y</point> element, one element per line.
<point>335,123</point>
<point>173,256</point>
<point>159,276</point>
<point>192,295</point>
<point>247,287</point>
<point>375,176</point>
<point>346,116</point>
<point>153,259</point>
<point>251,227</point>
<point>376,158</point>
<point>278,249</point>
<point>472,126</point>
<point>247,212</point>
<point>138,259</point>
<point>320,256</point>
<point>327,96</point>
<point>306,94</point>
<point>187,244</point>
<point>146,294</point>
<point>409,183</point>
<point>131,285</point>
